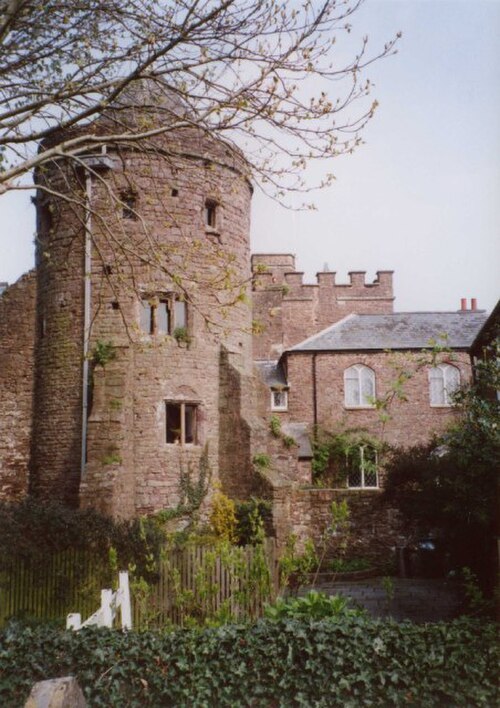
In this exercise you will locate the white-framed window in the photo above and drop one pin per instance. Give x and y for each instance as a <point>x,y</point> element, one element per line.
<point>359,387</point>
<point>181,423</point>
<point>279,400</point>
<point>163,314</point>
<point>444,380</point>
<point>362,468</point>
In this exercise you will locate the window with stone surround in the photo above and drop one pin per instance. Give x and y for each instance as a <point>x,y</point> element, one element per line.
<point>163,314</point>
<point>279,400</point>
<point>362,472</point>
<point>181,423</point>
<point>359,387</point>
<point>444,380</point>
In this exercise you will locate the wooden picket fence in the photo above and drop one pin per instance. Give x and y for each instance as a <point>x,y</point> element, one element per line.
<point>193,583</point>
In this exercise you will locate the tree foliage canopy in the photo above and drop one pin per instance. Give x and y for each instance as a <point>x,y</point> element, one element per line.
<point>257,72</point>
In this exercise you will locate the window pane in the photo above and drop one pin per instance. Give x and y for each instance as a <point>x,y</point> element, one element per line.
<point>367,386</point>
<point>352,392</point>
<point>279,399</point>
<point>190,424</point>
<point>452,382</point>
<point>173,423</point>
<point>145,317</point>
<point>436,387</point>
<point>162,318</point>
<point>180,318</point>
<point>370,467</point>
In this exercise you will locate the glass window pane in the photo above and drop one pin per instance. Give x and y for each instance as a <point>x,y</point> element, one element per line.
<point>162,318</point>
<point>352,392</point>
<point>190,424</point>
<point>367,386</point>
<point>452,382</point>
<point>180,313</point>
<point>145,317</point>
<point>436,387</point>
<point>173,423</point>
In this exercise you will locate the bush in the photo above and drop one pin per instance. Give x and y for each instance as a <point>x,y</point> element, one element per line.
<point>34,531</point>
<point>354,662</point>
<point>314,605</point>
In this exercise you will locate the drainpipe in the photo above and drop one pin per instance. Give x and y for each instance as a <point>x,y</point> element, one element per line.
<point>86,317</point>
<point>315,394</point>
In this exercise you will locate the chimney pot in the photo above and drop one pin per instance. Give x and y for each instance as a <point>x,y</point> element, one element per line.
<point>473,304</point>
<point>463,304</point>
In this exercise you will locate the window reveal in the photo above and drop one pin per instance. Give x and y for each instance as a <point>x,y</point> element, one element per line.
<point>181,425</point>
<point>129,205</point>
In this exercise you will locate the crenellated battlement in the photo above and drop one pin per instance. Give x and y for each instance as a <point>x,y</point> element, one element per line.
<point>291,310</point>
<point>271,271</point>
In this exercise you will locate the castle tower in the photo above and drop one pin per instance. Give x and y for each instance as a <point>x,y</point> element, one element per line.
<point>143,363</point>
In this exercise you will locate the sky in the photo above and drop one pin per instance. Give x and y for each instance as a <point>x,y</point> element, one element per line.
<point>421,196</point>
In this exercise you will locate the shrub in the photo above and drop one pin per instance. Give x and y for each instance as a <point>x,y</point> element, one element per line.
<point>252,516</point>
<point>223,517</point>
<point>314,605</point>
<point>352,662</point>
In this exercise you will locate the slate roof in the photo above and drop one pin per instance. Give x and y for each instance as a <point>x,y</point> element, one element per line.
<point>272,373</point>
<point>300,433</point>
<point>398,330</point>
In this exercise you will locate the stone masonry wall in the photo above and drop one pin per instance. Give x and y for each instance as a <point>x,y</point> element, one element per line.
<point>17,335</point>
<point>289,310</point>
<point>130,466</point>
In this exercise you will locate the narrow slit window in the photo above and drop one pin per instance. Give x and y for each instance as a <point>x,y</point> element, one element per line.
<point>211,214</point>
<point>129,205</point>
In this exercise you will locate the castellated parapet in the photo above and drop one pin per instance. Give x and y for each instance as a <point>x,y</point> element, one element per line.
<point>289,310</point>
<point>168,353</point>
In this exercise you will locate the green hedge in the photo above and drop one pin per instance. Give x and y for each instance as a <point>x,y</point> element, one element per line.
<point>351,662</point>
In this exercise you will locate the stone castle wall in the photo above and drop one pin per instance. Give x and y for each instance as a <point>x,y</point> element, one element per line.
<point>17,339</point>
<point>289,310</point>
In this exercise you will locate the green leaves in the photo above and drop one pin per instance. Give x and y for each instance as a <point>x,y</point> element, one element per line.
<point>353,661</point>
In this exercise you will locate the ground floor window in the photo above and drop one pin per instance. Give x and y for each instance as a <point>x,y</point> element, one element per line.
<point>362,472</point>
<point>181,419</point>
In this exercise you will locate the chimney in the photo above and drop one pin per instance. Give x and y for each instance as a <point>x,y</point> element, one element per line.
<point>463,304</point>
<point>473,304</point>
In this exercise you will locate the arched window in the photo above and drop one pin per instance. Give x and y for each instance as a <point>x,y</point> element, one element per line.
<point>359,386</point>
<point>444,380</point>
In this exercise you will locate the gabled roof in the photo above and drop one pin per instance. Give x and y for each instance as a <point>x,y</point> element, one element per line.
<point>398,330</point>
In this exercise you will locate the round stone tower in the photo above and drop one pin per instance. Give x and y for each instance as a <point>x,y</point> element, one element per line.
<point>143,367</point>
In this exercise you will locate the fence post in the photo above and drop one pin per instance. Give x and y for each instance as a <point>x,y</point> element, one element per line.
<point>126,612</point>
<point>74,621</point>
<point>106,611</point>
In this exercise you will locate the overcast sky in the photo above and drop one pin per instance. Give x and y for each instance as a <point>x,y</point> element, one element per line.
<point>421,197</point>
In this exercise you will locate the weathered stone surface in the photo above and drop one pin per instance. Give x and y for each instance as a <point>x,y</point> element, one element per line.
<point>56,693</point>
